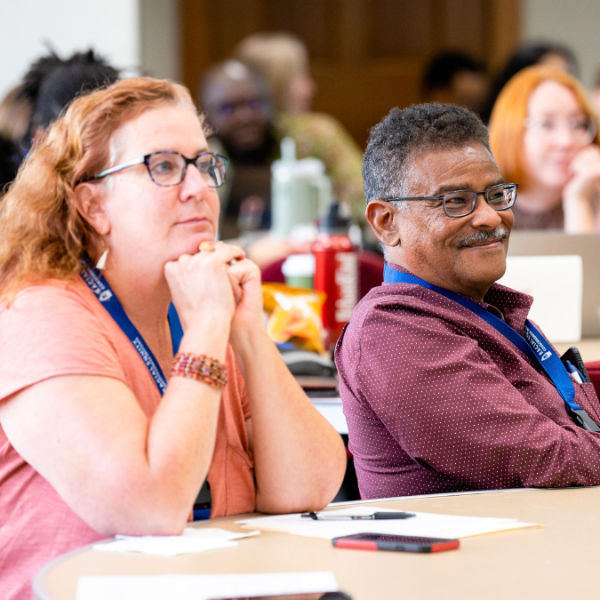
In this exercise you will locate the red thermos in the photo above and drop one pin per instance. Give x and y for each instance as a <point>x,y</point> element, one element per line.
<point>336,273</point>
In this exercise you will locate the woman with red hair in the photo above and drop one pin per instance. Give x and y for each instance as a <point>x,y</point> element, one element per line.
<point>136,370</point>
<point>544,136</point>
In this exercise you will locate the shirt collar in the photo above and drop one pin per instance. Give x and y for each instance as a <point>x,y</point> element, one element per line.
<point>513,306</point>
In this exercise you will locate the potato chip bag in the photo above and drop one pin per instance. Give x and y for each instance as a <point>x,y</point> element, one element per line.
<point>294,315</point>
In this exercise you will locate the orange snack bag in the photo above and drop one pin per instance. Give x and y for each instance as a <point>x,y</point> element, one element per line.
<point>294,315</point>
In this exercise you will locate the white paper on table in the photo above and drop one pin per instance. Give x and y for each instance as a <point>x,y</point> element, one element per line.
<point>424,524</point>
<point>192,540</point>
<point>203,587</point>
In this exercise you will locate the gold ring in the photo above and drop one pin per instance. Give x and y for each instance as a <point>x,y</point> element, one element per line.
<point>207,246</point>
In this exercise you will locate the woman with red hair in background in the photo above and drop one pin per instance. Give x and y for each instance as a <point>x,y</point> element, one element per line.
<point>544,136</point>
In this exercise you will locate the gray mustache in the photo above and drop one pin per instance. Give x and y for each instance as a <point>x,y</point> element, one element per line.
<point>482,236</point>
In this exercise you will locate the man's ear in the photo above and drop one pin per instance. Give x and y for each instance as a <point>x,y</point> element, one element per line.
<point>88,199</point>
<point>381,217</point>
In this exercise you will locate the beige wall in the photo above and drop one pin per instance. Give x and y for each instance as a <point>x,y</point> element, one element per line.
<point>160,38</point>
<point>109,26</point>
<point>575,23</point>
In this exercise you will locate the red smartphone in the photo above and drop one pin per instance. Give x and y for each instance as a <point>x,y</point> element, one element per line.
<point>394,543</point>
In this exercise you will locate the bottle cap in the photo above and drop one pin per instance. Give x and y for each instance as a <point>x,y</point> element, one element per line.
<point>299,265</point>
<point>333,221</point>
<point>299,270</point>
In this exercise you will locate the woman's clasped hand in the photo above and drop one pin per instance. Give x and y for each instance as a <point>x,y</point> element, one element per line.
<point>204,283</point>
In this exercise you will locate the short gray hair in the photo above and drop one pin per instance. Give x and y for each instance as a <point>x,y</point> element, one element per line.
<point>403,134</point>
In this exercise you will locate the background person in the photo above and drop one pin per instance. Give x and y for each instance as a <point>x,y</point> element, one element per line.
<point>455,78</point>
<point>282,58</point>
<point>549,54</point>
<point>52,83</point>
<point>239,108</point>
<point>88,446</point>
<point>15,115</point>
<point>544,136</point>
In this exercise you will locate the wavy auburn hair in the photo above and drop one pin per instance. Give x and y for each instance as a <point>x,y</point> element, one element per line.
<point>42,234</point>
<point>507,123</point>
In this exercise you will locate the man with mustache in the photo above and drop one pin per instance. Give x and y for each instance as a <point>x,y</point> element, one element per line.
<point>446,386</point>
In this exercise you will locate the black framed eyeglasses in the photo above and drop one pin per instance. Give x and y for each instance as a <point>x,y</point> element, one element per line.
<point>462,202</point>
<point>168,168</point>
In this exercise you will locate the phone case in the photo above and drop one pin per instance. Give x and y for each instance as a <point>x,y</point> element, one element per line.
<point>424,545</point>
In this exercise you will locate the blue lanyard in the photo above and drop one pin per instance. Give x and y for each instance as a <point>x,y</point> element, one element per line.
<point>96,282</point>
<point>534,345</point>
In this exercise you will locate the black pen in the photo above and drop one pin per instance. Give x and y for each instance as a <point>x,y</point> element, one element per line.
<point>375,516</point>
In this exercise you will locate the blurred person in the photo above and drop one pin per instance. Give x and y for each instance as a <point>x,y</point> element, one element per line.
<point>15,114</point>
<point>9,162</point>
<point>549,54</point>
<point>52,83</point>
<point>114,409</point>
<point>239,109</point>
<point>455,78</point>
<point>544,137</point>
<point>595,93</point>
<point>283,59</point>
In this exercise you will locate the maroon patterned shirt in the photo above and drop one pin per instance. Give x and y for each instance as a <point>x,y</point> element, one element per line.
<point>437,400</point>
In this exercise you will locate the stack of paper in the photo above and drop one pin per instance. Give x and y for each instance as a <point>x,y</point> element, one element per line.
<point>423,524</point>
<point>204,587</point>
<point>192,540</point>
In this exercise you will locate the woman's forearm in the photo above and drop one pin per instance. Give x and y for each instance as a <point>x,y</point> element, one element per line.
<point>181,434</point>
<point>299,458</point>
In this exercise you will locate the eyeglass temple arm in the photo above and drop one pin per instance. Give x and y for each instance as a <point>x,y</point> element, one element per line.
<point>131,163</point>
<point>412,198</point>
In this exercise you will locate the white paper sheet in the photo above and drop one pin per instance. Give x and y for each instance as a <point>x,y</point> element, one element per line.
<point>537,276</point>
<point>203,587</point>
<point>192,540</point>
<point>424,524</point>
<point>331,409</point>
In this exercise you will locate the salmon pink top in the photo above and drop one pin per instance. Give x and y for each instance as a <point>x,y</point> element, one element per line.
<point>60,328</point>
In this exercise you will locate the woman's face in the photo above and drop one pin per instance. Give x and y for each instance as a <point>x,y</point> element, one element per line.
<point>147,221</point>
<point>556,130</point>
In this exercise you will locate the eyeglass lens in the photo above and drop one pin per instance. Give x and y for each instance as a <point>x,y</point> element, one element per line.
<point>581,128</point>
<point>461,203</point>
<point>168,168</point>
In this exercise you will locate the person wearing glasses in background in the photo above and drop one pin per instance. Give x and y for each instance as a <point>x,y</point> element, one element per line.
<point>446,386</point>
<point>135,370</point>
<point>544,136</point>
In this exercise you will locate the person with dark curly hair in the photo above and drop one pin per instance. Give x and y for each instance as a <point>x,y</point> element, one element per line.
<point>52,83</point>
<point>9,163</point>
<point>446,385</point>
<point>455,78</point>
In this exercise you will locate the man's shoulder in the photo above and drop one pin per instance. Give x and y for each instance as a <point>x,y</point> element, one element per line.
<point>398,297</point>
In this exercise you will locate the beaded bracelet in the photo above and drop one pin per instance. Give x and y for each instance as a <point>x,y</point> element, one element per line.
<point>201,368</point>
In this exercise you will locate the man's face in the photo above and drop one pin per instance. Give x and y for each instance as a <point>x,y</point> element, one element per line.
<point>238,111</point>
<point>454,253</point>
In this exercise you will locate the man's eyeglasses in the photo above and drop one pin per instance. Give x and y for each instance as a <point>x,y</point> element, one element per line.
<point>254,105</point>
<point>168,168</point>
<point>462,202</point>
<point>582,129</point>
